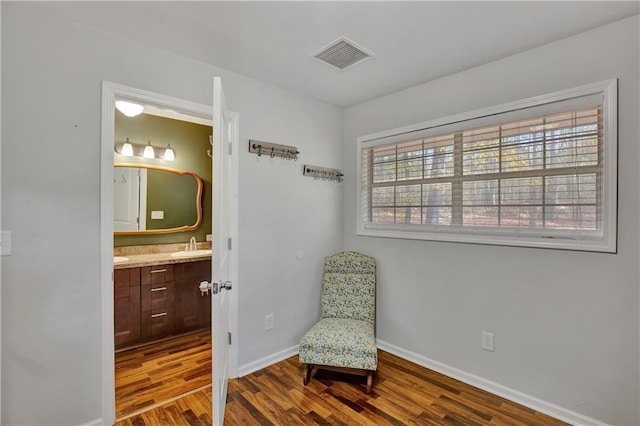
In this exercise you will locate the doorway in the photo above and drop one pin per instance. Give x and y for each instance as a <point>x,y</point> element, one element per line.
<point>171,108</point>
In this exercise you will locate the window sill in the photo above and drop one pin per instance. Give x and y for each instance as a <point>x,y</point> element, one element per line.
<point>596,244</point>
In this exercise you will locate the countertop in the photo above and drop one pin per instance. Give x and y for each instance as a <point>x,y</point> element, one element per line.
<point>151,259</point>
<point>156,255</point>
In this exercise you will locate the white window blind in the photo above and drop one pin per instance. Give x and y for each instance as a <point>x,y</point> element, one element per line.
<point>531,173</point>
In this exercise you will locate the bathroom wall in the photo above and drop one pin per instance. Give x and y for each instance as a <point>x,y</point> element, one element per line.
<point>52,69</point>
<point>190,141</point>
<point>565,322</point>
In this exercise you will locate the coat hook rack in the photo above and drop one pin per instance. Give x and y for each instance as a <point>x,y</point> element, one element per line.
<point>210,143</point>
<point>273,150</point>
<point>323,173</point>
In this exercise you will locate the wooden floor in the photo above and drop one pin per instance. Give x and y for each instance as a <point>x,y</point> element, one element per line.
<point>403,394</point>
<point>152,375</point>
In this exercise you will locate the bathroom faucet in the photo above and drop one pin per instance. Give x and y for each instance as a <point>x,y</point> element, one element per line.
<point>192,244</point>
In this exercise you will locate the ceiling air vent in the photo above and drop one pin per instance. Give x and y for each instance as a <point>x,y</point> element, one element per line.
<point>342,53</point>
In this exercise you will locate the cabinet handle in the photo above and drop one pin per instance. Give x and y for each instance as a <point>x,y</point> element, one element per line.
<point>159,270</point>
<point>159,289</point>
<point>159,315</point>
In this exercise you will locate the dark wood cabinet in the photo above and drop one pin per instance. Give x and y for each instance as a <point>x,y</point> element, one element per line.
<point>126,306</point>
<point>155,302</point>
<point>158,290</point>
<point>192,309</point>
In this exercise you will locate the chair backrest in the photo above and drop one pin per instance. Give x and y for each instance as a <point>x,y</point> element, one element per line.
<point>349,287</point>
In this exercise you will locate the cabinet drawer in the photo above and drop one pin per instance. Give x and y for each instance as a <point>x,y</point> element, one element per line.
<point>156,274</point>
<point>158,296</point>
<point>157,324</point>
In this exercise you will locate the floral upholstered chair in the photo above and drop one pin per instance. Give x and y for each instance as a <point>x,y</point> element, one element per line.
<point>344,338</point>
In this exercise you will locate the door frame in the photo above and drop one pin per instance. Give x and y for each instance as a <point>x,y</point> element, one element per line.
<point>184,109</point>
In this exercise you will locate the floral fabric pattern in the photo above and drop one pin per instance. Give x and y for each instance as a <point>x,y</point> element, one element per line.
<point>345,335</point>
<point>349,287</point>
<point>340,343</point>
<point>350,262</point>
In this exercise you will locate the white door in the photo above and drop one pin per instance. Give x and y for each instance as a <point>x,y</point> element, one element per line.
<point>126,199</point>
<point>221,258</point>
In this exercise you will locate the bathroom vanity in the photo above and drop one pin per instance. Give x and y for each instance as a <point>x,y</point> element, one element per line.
<point>157,296</point>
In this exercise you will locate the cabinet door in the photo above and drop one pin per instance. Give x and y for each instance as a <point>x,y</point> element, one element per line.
<point>126,306</point>
<point>192,309</point>
<point>189,305</point>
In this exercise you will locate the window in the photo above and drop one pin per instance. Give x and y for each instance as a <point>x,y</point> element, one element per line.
<point>539,172</point>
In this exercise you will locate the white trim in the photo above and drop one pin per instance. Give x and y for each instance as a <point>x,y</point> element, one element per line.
<point>495,388</point>
<point>0,220</point>
<point>173,106</point>
<point>94,422</point>
<point>235,239</point>
<point>268,360</point>
<point>608,244</point>
<point>106,253</point>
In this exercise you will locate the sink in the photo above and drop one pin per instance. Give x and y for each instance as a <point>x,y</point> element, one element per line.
<point>192,253</point>
<point>119,259</point>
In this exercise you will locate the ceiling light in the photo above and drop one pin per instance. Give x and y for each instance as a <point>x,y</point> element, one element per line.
<point>148,151</point>
<point>129,108</point>
<point>169,155</point>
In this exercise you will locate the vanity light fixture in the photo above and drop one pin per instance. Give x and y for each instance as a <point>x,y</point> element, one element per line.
<point>127,149</point>
<point>129,108</point>
<point>169,155</point>
<point>149,151</point>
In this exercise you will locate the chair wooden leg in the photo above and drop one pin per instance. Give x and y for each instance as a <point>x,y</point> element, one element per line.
<point>369,381</point>
<point>306,374</point>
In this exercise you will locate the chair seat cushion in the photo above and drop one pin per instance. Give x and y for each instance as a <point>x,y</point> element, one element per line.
<point>340,342</point>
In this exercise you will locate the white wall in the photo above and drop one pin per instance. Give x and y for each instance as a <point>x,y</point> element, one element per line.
<point>565,323</point>
<point>51,79</point>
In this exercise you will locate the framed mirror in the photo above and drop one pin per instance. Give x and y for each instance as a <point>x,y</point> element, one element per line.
<point>150,199</point>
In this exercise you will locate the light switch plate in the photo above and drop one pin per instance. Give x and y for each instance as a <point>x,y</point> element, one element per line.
<point>5,243</point>
<point>209,237</point>
<point>157,214</point>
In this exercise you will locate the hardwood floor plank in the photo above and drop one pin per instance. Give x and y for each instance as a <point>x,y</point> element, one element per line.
<point>150,375</point>
<point>403,394</point>
<point>310,402</point>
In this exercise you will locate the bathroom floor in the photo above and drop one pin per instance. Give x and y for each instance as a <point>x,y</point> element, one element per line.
<point>156,374</point>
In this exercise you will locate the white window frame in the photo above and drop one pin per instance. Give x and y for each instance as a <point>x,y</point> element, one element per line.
<point>509,237</point>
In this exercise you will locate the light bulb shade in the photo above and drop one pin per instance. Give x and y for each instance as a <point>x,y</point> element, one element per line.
<point>169,155</point>
<point>127,149</point>
<point>148,152</point>
<point>129,108</point>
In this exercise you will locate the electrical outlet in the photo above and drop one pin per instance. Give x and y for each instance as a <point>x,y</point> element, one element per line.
<point>487,341</point>
<point>268,322</point>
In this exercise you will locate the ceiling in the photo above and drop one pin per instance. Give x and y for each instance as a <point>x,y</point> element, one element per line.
<point>412,42</point>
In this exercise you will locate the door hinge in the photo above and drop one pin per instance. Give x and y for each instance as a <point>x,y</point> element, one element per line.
<point>229,334</point>
<point>229,244</point>
<point>230,148</point>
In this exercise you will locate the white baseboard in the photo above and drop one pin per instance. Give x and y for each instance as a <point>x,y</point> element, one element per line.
<point>492,387</point>
<point>267,361</point>
<point>94,422</point>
